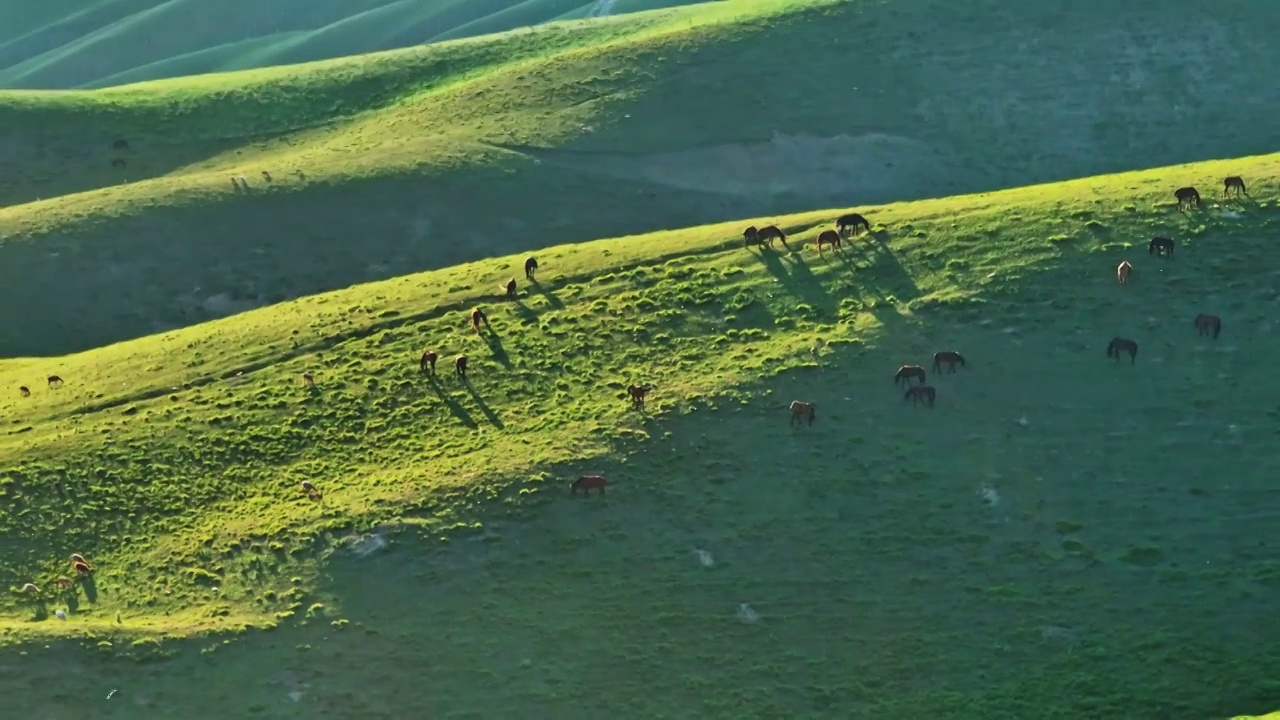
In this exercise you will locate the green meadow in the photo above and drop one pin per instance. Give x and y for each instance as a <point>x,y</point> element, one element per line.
<point>1061,536</point>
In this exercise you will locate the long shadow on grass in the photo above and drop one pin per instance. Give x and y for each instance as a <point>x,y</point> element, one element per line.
<point>495,348</point>
<point>484,407</point>
<point>546,293</point>
<point>798,279</point>
<point>457,410</point>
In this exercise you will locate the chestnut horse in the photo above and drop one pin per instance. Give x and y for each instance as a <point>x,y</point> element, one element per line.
<point>950,357</point>
<point>920,394</point>
<point>1235,184</point>
<point>765,236</point>
<point>428,362</point>
<point>477,317</point>
<point>1119,345</point>
<point>801,411</point>
<point>587,483</point>
<point>637,393</point>
<point>24,391</point>
<point>530,267</point>
<point>1206,323</point>
<point>511,289</point>
<point>1161,246</point>
<point>852,221</point>
<point>460,366</point>
<point>1123,271</point>
<point>1188,197</point>
<point>906,372</point>
<point>829,237</point>
<point>54,380</point>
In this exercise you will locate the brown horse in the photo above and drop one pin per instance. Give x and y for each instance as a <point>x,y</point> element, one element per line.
<point>24,391</point>
<point>950,357</point>
<point>1162,246</point>
<point>906,372</point>
<point>308,380</point>
<point>1123,271</point>
<point>637,393</point>
<point>530,267</point>
<point>119,163</point>
<point>852,221</point>
<point>428,362</point>
<point>764,236</point>
<point>587,483</point>
<point>511,289</point>
<point>920,394</point>
<point>829,237</point>
<point>81,567</point>
<point>266,176</point>
<point>309,489</point>
<point>1188,197</point>
<point>478,317</point>
<point>78,558</point>
<point>801,411</point>
<point>460,366</point>
<point>1119,345</point>
<point>1235,184</point>
<point>54,380</point>
<point>1206,323</point>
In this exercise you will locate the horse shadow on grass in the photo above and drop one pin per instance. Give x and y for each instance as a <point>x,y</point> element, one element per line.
<point>90,589</point>
<point>489,414</point>
<point>496,349</point>
<point>794,275</point>
<point>453,405</point>
<point>545,292</point>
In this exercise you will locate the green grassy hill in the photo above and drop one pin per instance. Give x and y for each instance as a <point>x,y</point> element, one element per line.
<point>388,164</point>
<point>98,43</point>
<point>1062,536</point>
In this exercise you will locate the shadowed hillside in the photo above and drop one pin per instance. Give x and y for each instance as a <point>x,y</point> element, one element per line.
<point>394,163</point>
<point>97,43</point>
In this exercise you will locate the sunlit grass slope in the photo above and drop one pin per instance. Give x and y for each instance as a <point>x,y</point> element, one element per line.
<point>387,164</point>
<point>96,43</point>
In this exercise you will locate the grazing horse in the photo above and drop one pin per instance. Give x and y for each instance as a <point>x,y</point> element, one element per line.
<point>310,490</point>
<point>829,237</point>
<point>1119,345</point>
<point>428,362</point>
<point>54,380</point>
<point>1188,197</point>
<point>78,558</point>
<point>1234,183</point>
<point>801,411</point>
<point>906,372</point>
<point>920,394</point>
<point>308,379</point>
<point>266,176</point>
<point>477,317</point>
<point>460,366</point>
<point>530,267</point>
<point>852,221</point>
<point>637,393</point>
<point>1206,323</point>
<point>950,357</point>
<point>511,289</point>
<point>767,234</point>
<point>1123,271</point>
<point>81,567</point>
<point>1162,246</point>
<point>587,483</point>
<point>119,163</point>
<point>24,391</point>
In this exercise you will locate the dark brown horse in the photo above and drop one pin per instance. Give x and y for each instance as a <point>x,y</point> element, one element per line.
<point>511,289</point>
<point>54,380</point>
<point>920,394</point>
<point>1121,345</point>
<point>530,267</point>
<point>478,317</point>
<point>765,236</point>
<point>428,362</point>
<point>266,176</point>
<point>1123,271</point>
<point>1162,246</point>
<point>1234,184</point>
<point>460,366</point>
<point>24,391</point>
<point>1206,324</point>
<point>587,483</point>
<point>119,163</point>
<point>802,411</point>
<point>1188,197</point>
<point>950,357</point>
<point>308,379</point>
<point>637,393</point>
<point>906,372</point>
<point>828,237</point>
<point>852,221</point>
<point>309,489</point>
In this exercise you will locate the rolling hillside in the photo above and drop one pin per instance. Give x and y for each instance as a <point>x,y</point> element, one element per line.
<point>97,43</point>
<point>1063,534</point>
<point>388,164</point>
